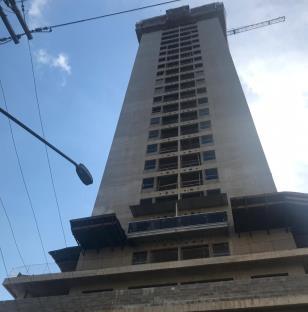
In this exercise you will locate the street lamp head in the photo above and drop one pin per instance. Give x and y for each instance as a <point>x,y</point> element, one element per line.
<point>84,174</point>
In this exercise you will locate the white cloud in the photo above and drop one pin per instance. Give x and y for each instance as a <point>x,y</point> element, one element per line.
<point>61,61</point>
<point>36,12</point>
<point>36,7</point>
<point>277,91</point>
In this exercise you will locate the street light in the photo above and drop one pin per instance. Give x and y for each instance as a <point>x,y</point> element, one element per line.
<point>81,170</point>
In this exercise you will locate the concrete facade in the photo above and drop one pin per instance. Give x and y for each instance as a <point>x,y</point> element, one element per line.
<point>199,227</point>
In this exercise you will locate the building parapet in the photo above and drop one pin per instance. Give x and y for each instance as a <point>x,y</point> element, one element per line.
<point>182,16</point>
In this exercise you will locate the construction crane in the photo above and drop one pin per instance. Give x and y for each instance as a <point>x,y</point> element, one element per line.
<point>15,37</point>
<point>238,30</point>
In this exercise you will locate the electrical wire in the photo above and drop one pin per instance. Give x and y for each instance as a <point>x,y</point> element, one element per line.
<point>49,28</point>
<point>43,134</point>
<point>13,234</point>
<point>24,180</point>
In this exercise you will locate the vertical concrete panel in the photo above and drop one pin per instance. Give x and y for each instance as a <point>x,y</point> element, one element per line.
<point>242,165</point>
<point>122,178</point>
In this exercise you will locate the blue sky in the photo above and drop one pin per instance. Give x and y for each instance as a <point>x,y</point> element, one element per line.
<point>82,72</point>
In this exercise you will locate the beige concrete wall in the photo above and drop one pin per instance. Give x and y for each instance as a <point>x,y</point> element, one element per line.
<point>242,166</point>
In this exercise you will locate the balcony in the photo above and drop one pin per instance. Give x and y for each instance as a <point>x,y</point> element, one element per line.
<point>168,147</point>
<point>269,211</point>
<point>165,183</point>
<point>191,179</point>
<point>168,163</point>
<point>176,226</point>
<point>188,144</point>
<point>190,160</point>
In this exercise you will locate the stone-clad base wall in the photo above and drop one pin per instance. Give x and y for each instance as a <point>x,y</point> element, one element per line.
<point>284,293</point>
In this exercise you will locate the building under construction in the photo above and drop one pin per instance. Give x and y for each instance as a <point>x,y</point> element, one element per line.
<point>187,216</point>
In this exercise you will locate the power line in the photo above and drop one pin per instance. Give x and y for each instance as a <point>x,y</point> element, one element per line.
<point>51,27</point>
<point>13,234</point>
<point>43,133</point>
<point>23,178</point>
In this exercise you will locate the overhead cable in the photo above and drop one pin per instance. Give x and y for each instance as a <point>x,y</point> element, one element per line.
<point>51,27</point>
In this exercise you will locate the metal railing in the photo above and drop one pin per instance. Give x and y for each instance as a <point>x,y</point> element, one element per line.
<point>174,222</point>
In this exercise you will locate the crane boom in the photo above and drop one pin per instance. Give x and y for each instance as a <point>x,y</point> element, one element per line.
<point>238,30</point>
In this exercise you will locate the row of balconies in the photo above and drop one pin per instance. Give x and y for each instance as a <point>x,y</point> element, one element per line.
<point>176,225</point>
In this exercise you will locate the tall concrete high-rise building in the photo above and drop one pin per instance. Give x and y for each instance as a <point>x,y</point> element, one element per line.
<point>187,217</point>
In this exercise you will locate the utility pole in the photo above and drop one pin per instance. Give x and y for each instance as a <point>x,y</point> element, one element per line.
<point>11,4</point>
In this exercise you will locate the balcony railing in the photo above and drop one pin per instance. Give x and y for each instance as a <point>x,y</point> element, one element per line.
<point>189,183</point>
<point>169,166</point>
<point>165,187</point>
<point>203,219</point>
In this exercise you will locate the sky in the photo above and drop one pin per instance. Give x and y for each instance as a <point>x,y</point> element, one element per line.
<point>82,72</point>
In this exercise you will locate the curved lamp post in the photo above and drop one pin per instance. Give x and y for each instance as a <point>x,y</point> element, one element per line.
<point>81,170</point>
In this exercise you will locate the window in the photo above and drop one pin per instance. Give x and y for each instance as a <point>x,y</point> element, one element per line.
<point>170,108</point>
<point>147,183</point>
<point>174,87</point>
<point>173,51</point>
<point>169,133</point>
<point>197,52</point>
<point>190,160</point>
<point>186,61</point>
<point>155,120</point>
<point>172,64</point>
<point>157,99</point>
<point>140,257</point>
<point>190,179</point>
<point>162,59</point>
<point>204,112</point>
<point>209,155</point>
<point>195,252</point>
<point>168,182</point>
<point>168,147</point>
<point>201,90</point>
<point>203,100</point>
<point>187,68</point>
<point>188,104</point>
<point>156,109</point>
<point>188,94</point>
<point>159,90</point>
<point>269,275</point>
<point>172,71</point>
<point>205,124</point>
<point>168,163</point>
<point>200,82</point>
<point>221,249</point>
<point>172,79</point>
<point>159,81</point>
<point>199,73</point>
<point>173,57</point>
<point>188,84</point>
<point>171,97</point>
<point>152,148</point>
<point>207,139</point>
<point>198,65</point>
<point>150,164</point>
<point>153,134</point>
<point>160,66</point>
<point>164,255</point>
<point>198,58</point>
<point>187,144</point>
<point>187,54</point>
<point>188,116</point>
<point>187,76</point>
<point>189,129</point>
<point>167,120</point>
<point>211,174</point>
<point>160,73</point>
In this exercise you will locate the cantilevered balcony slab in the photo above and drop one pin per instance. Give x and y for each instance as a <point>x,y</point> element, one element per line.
<point>269,211</point>
<point>98,231</point>
<point>177,226</point>
<point>66,258</point>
